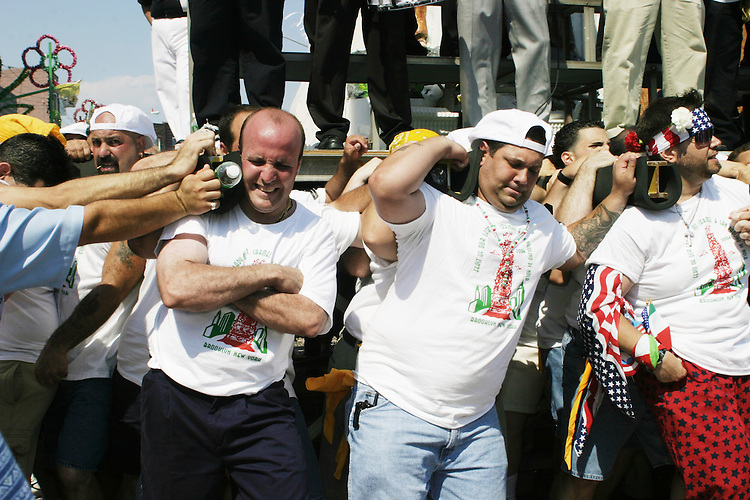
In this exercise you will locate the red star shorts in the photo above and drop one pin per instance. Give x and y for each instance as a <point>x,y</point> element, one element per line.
<point>705,422</point>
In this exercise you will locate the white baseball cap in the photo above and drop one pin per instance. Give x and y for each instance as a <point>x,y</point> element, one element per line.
<point>127,118</point>
<point>461,136</point>
<point>77,128</point>
<point>511,126</point>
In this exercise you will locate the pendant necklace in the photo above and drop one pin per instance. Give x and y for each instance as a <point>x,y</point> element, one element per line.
<point>689,235</point>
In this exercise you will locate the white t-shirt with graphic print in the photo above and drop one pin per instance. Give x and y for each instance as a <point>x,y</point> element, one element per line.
<point>701,289</point>
<point>224,352</point>
<point>440,344</point>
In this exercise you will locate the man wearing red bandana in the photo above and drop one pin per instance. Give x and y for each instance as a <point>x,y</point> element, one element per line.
<point>689,264</point>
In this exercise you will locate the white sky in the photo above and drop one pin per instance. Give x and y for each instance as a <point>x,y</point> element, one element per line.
<point>112,42</point>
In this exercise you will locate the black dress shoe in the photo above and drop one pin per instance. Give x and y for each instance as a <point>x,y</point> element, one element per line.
<point>330,142</point>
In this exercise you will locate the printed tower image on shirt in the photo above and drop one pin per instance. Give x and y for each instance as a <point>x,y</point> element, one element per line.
<point>242,332</point>
<point>500,307</point>
<point>497,302</point>
<point>724,282</point>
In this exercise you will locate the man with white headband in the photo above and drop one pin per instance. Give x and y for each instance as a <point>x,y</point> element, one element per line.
<point>423,417</point>
<point>682,273</point>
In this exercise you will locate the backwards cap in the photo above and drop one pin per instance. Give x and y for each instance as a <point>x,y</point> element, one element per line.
<point>127,118</point>
<point>511,127</point>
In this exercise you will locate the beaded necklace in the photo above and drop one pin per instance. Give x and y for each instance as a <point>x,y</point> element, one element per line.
<point>508,247</point>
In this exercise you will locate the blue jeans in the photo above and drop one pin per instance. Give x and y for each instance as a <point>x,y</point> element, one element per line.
<point>553,368</point>
<point>397,455</point>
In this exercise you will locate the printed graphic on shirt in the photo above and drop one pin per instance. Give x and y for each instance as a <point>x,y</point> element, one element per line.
<point>722,247</point>
<point>725,281</point>
<point>240,331</point>
<point>500,301</point>
<point>70,279</point>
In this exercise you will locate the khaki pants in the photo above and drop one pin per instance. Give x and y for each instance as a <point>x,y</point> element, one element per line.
<point>627,35</point>
<point>23,403</point>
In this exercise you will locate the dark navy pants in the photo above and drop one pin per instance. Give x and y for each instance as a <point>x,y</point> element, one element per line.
<point>191,442</point>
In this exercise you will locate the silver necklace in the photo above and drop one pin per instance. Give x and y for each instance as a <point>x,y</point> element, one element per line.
<point>689,235</point>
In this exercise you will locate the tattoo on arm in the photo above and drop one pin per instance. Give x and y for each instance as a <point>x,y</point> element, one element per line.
<point>125,255</point>
<point>407,146</point>
<point>589,231</point>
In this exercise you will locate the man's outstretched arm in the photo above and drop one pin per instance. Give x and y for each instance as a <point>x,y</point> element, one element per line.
<point>116,220</point>
<point>112,186</point>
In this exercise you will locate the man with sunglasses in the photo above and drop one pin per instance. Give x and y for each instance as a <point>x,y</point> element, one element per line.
<point>687,264</point>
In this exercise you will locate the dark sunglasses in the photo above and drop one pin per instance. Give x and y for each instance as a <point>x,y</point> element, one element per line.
<point>703,138</point>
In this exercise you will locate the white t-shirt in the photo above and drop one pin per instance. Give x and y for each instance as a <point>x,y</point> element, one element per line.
<point>28,320</point>
<point>224,352</point>
<point>699,290</point>
<point>345,225</point>
<point>370,294</point>
<point>132,353</point>
<point>96,356</point>
<point>440,344</point>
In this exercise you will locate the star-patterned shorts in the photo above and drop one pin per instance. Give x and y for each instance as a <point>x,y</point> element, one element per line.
<point>705,421</point>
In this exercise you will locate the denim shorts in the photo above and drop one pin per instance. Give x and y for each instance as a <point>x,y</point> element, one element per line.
<point>395,454</point>
<point>611,430</point>
<point>552,359</point>
<point>77,424</point>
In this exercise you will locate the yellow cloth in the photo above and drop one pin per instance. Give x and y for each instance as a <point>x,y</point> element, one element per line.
<point>415,135</point>
<point>15,124</point>
<point>337,385</point>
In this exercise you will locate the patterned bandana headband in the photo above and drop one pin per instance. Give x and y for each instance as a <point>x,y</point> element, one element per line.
<point>685,124</point>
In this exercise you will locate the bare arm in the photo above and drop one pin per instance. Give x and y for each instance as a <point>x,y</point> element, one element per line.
<point>121,271</point>
<point>589,231</point>
<point>578,201</point>
<point>354,147</point>
<point>188,282</point>
<point>362,175</point>
<point>556,189</point>
<point>112,186</point>
<point>115,220</point>
<point>353,201</point>
<point>731,169</point>
<point>394,185</point>
<point>147,13</point>
<point>670,369</point>
<point>285,312</point>
<point>378,236</point>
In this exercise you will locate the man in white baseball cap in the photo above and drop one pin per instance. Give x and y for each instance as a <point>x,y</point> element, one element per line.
<point>99,295</point>
<point>436,352</point>
<point>119,135</point>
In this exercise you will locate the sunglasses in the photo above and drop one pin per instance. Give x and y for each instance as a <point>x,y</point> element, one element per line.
<point>703,138</point>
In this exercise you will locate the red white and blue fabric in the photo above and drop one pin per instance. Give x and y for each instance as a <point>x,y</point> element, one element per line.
<point>672,136</point>
<point>602,305</point>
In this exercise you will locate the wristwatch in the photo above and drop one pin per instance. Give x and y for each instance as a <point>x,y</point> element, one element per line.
<point>662,352</point>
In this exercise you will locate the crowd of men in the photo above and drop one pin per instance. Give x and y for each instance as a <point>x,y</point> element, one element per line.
<point>156,357</point>
<point>149,313</point>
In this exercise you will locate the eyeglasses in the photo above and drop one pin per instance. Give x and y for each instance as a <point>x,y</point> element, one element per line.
<point>703,138</point>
